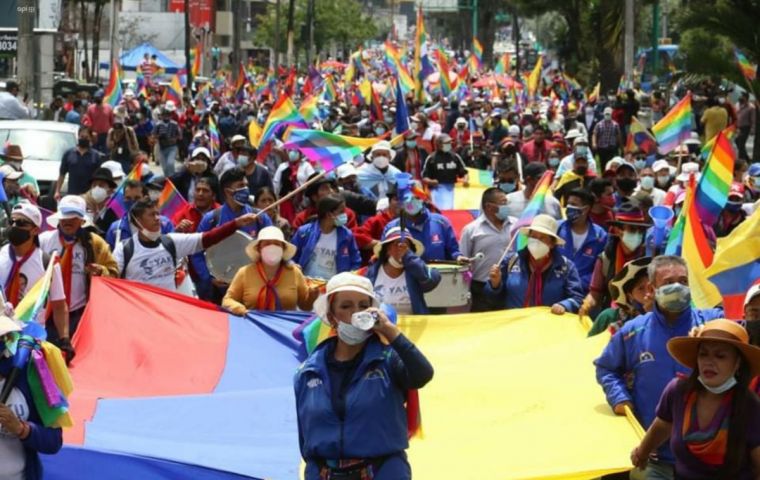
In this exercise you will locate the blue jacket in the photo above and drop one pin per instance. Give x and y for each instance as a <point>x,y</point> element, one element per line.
<point>636,366</point>
<point>41,439</point>
<point>211,220</point>
<point>585,258</point>
<point>126,230</point>
<point>561,282</point>
<point>375,422</point>
<point>307,236</point>
<point>435,233</point>
<point>419,279</point>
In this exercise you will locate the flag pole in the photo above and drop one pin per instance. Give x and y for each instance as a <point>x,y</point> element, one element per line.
<point>293,193</point>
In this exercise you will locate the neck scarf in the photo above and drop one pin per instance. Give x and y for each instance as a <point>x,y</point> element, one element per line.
<point>707,444</point>
<point>535,293</point>
<point>268,298</point>
<point>13,280</point>
<point>67,264</point>
<point>621,258</point>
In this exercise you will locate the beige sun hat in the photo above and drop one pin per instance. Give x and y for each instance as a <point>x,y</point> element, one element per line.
<point>395,234</point>
<point>544,224</point>
<point>343,282</point>
<point>270,233</point>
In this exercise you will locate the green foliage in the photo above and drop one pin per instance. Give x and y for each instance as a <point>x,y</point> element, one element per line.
<point>338,20</point>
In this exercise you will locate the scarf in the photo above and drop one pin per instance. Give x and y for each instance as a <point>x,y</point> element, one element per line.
<point>534,295</point>
<point>708,445</point>
<point>67,264</point>
<point>268,298</point>
<point>621,258</point>
<point>13,280</point>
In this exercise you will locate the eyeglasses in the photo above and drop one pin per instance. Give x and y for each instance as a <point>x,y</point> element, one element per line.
<point>20,223</point>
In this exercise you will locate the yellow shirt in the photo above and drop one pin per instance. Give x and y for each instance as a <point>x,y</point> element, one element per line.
<point>243,294</point>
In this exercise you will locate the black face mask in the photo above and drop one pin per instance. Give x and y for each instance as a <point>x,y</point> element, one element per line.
<point>753,329</point>
<point>582,171</point>
<point>626,184</point>
<point>18,236</point>
<point>84,143</point>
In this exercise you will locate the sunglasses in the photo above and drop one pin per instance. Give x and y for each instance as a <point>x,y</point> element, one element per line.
<point>20,223</point>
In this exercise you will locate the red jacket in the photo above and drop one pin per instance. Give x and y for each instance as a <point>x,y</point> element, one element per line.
<point>454,133</point>
<point>304,215</point>
<point>372,229</point>
<point>190,212</point>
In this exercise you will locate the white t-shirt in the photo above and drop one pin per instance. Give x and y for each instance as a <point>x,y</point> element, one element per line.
<point>31,271</point>
<point>322,262</point>
<point>578,239</point>
<point>50,242</point>
<point>12,459</point>
<point>517,202</point>
<point>393,291</point>
<point>154,266</point>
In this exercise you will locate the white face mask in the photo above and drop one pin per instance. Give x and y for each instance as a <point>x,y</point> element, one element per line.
<point>395,263</point>
<point>723,388</point>
<point>351,335</point>
<point>632,240</point>
<point>381,161</point>
<point>446,147</point>
<point>537,248</point>
<point>271,255</point>
<point>154,195</point>
<point>99,194</point>
<point>152,236</point>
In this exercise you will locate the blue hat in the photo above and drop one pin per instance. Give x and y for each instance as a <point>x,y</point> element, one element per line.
<point>754,170</point>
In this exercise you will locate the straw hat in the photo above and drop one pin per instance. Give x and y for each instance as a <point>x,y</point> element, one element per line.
<point>685,349</point>
<point>629,271</point>
<point>8,325</point>
<point>343,282</point>
<point>544,224</point>
<point>395,234</point>
<point>270,233</point>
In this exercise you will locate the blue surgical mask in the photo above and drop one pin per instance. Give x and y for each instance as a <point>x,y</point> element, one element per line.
<point>241,196</point>
<point>639,164</point>
<point>293,155</point>
<point>379,131</point>
<point>446,147</point>
<point>573,213</point>
<point>674,297</point>
<point>553,161</point>
<point>128,204</point>
<point>581,150</point>
<point>413,206</point>
<point>341,219</point>
<point>647,183</point>
<point>503,212</point>
<point>413,143</point>
<point>507,187</point>
<point>243,160</point>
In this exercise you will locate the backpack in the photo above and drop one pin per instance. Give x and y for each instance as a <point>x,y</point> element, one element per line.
<point>129,251</point>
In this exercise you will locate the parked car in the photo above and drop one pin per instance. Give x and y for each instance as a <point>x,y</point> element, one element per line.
<point>43,145</point>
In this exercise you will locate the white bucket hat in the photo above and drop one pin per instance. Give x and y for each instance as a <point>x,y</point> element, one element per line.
<point>687,169</point>
<point>70,206</point>
<point>544,224</point>
<point>343,282</point>
<point>270,233</point>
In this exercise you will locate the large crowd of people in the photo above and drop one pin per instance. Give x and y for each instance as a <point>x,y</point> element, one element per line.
<point>353,239</point>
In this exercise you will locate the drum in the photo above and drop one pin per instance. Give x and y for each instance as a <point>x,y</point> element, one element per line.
<point>453,291</point>
<point>226,257</point>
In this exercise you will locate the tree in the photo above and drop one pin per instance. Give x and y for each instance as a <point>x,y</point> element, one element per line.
<point>711,29</point>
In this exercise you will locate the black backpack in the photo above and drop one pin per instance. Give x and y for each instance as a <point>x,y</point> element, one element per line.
<point>129,251</point>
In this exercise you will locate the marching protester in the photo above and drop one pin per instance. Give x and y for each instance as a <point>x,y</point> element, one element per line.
<point>399,276</point>
<point>537,275</point>
<point>197,167</point>
<point>271,281</point>
<point>517,200</point>
<point>25,263</point>
<point>102,186</point>
<point>264,197</point>
<point>151,257</point>
<point>489,235</point>
<point>122,228</point>
<point>325,247</point>
<point>316,191</point>
<point>82,254</point>
<point>645,351</point>
<point>630,293</point>
<point>380,173</point>
<point>343,412</point>
<point>78,163</point>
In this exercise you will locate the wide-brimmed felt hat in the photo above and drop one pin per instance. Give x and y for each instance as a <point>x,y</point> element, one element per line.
<point>395,234</point>
<point>270,233</point>
<point>105,175</point>
<point>343,282</point>
<point>314,187</point>
<point>630,214</point>
<point>12,152</point>
<point>544,224</point>
<point>629,271</point>
<point>685,349</point>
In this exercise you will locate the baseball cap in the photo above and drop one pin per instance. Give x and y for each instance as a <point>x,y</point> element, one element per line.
<point>7,171</point>
<point>29,211</point>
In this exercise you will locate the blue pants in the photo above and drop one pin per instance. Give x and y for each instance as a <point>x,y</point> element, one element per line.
<point>168,159</point>
<point>395,467</point>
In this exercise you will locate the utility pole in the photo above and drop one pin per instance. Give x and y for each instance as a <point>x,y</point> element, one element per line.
<point>277,36</point>
<point>516,34</point>
<point>25,55</point>
<point>188,36</point>
<point>114,35</point>
<point>237,33</point>
<point>474,18</point>
<point>310,28</point>
<point>291,19</point>
<point>655,33</point>
<point>628,40</point>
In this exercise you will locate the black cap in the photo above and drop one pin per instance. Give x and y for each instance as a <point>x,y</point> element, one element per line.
<point>314,187</point>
